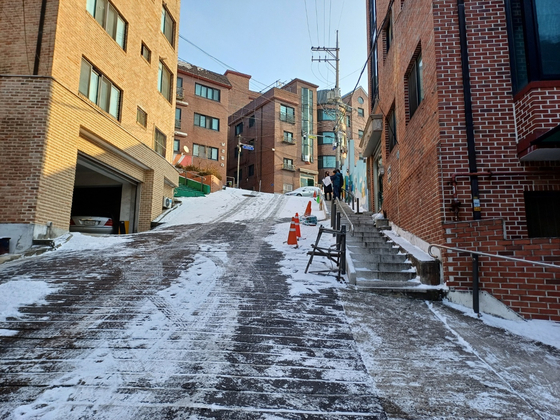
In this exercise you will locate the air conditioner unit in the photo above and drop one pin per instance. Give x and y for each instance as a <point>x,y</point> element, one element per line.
<point>305,158</point>
<point>167,202</point>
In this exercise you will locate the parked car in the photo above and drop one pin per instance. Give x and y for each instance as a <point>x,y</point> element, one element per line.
<point>305,191</point>
<point>91,224</point>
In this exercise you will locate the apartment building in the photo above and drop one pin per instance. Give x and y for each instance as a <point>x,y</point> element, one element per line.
<point>271,141</point>
<point>463,135</point>
<point>201,117</point>
<point>86,113</point>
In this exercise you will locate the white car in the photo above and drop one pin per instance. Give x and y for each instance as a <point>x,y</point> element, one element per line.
<point>91,224</point>
<point>305,191</point>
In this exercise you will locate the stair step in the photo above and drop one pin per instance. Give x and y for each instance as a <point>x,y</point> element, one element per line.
<point>369,258</point>
<point>367,274</point>
<point>385,284</point>
<point>375,250</point>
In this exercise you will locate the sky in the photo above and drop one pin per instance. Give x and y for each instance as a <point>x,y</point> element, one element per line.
<point>271,40</point>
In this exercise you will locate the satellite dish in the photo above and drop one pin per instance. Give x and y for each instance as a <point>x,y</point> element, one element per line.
<point>186,149</point>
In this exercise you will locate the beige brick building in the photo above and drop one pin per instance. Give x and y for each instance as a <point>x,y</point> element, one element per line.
<point>87,102</point>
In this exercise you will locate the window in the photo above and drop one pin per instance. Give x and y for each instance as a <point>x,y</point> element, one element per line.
<point>99,90</point>
<point>373,45</point>
<point>239,129</point>
<point>542,209</point>
<point>205,152</point>
<point>348,121</point>
<point>287,188</point>
<point>414,85</point>
<point>360,100</point>
<point>360,134</point>
<point>146,53</point>
<point>207,92</point>
<point>307,149</point>
<point>326,115</point>
<point>327,137</point>
<point>204,121</point>
<point>160,142</point>
<point>326,162</point>
<point>388,32</point>
<point>168,26</point>
<point>288,164</point>
<point>391,127</point>
<point>141,117</point>
<point>287,114</point>
<point>251,121</point>
<point>176,146</point>
<point>164,81</point>
<point>107,16</point>
<point>534,40</point>
<point>307,111</point>
<point>251,170</point>
<point>180,88</point>
<point>361,112</point>
<point>288,137</point>
<point>178,113</point>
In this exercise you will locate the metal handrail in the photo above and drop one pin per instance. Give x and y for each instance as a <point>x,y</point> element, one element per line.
<point>474,256</point>
<point>347,218</point>
<point>488,255</point>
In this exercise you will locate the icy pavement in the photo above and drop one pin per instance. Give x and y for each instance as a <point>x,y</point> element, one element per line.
<point>212,316</point>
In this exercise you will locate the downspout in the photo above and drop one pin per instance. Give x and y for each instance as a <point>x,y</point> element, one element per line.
<point>468,110</point>
<point>39,38</point>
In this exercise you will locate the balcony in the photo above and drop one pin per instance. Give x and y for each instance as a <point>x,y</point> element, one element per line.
<point>177,124</point>
<point>288,167</point>
<point>180,93</point>
<point>289,118</point>
<point>288,140</point>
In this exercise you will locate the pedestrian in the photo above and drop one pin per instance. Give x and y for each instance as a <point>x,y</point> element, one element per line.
<point>336,179</point>
<point>327,186</point>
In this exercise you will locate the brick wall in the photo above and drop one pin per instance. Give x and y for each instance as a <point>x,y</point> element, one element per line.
<point>531,291</point>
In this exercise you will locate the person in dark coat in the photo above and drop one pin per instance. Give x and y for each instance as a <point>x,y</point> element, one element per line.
<point>337,183</point>
<point>327,186</point>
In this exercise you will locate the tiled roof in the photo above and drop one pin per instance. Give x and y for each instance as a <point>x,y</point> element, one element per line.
<point>203,73</point>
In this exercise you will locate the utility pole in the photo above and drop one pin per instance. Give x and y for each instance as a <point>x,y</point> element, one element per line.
<point>340,127</point>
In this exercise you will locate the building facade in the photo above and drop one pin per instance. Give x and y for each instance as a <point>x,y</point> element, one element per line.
<point>86,113</point>
<point>201,117</point>
<point>463,133</point>
<point>272,142</point>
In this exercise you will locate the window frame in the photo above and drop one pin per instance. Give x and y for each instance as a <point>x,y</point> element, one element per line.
<point>211,92</point>
<point>141,117</point>
<point>323,158</point>
<point>324,135</point>
<point>286,116</point>
<point>143,48</point>
<point>526,58</point>
<point>415,84</point>
<point>102,16</point>
<point>103,85</point>
<point>159,146</point>
<point>164,27</point>
<point>162,71</point>
<point>391,129</point>
<point>208,122</point>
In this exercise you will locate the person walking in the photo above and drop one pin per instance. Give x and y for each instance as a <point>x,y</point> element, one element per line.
<point>336,179</point>
<point>327,186</point>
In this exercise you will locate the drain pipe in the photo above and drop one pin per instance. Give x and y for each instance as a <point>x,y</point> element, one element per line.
<point>468,109</point>
<point>39,38</point>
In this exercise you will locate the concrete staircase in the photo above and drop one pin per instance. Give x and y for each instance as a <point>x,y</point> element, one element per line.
<point>376,263</point>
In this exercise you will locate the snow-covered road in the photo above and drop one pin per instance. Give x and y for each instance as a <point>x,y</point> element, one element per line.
<point>212,316</point>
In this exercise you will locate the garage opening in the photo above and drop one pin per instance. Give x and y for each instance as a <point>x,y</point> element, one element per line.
<point>101,191</point>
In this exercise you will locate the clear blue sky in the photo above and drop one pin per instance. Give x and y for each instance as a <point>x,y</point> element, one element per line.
<point>271,39</point>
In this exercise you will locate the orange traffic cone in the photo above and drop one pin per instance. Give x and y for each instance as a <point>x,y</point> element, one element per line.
<point>308,210</point>
<point>292,238</point>
<point>298,231</point>
<point>314,194</point>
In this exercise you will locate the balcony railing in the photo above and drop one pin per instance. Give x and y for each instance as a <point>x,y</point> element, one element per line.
<point>180,93</point>
<point>288,167</point>
<point>288,140</point>
<point>289,118</point>
<point>177,123</point>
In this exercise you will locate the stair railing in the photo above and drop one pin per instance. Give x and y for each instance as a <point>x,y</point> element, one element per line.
<point>335,216</point>
<point>474,256</point>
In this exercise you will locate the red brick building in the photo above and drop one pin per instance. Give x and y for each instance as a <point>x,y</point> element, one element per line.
<point>464,137</point>
<point>280,126</point>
